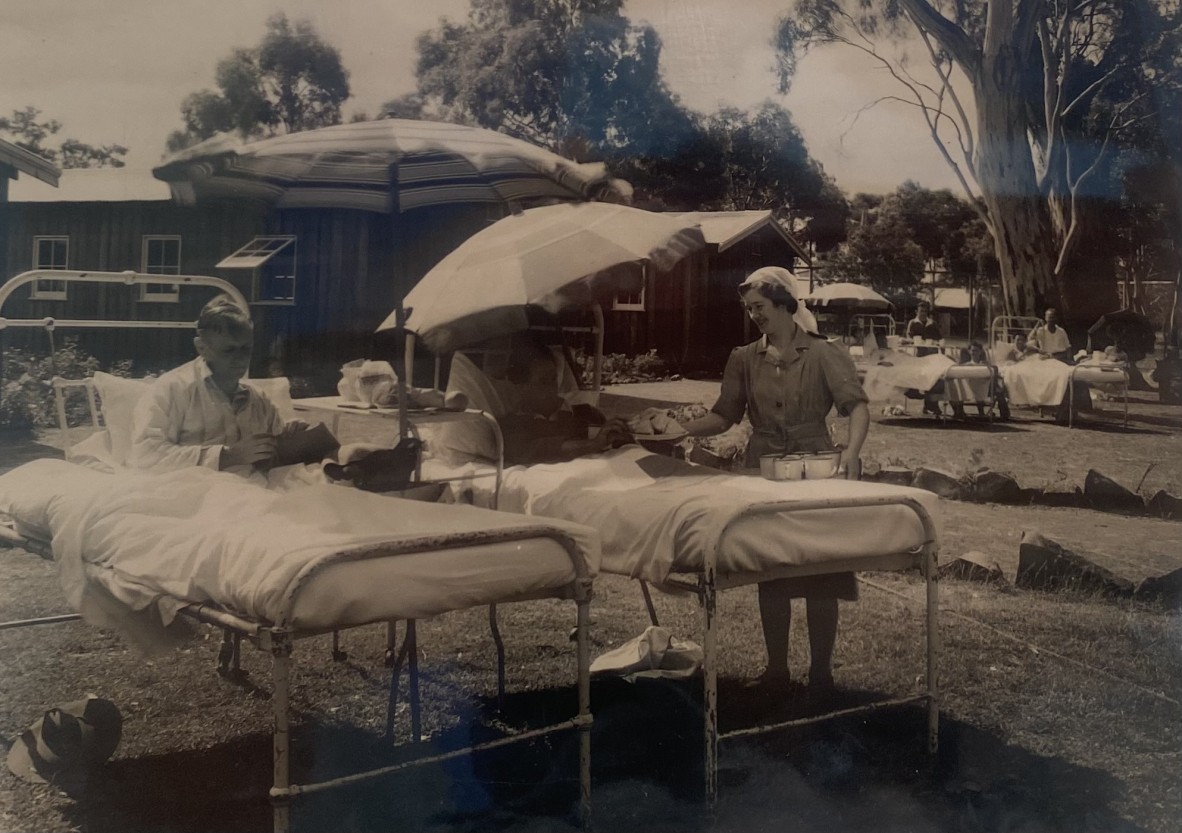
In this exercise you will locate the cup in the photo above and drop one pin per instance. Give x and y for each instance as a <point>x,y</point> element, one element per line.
<point>789,467</point>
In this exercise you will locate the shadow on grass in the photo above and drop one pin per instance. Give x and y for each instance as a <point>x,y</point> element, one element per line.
<point>859,773</point>
<point>973,424</point>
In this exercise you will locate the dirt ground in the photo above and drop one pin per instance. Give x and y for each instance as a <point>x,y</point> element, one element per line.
<point>1060,712</point>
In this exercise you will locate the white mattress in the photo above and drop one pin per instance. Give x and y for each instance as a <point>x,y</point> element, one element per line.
<point>657,516</point>
<point>316,558</point>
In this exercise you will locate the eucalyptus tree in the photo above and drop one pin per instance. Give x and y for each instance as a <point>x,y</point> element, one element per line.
<point>1027,100</point>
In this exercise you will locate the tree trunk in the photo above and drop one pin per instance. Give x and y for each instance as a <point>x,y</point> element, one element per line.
<point>1023,236</point>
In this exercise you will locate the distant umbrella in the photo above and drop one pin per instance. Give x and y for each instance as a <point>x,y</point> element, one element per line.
<point>384,166</point>
<point>551,257</point>
<point>1133,331</point>
<point>847,296</point>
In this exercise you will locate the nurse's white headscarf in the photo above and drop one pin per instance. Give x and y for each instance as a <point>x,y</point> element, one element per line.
<point>779,276</point>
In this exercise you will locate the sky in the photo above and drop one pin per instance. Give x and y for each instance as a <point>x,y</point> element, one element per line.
<point>116,71</point>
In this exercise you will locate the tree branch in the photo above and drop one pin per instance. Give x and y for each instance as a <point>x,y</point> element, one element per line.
<point>948,34</point>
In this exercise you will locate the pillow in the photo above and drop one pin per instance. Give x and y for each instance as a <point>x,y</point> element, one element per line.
<point>118,398</point>
<point>1000,352</point>
<point>465,440</point>
<point>278,390</point>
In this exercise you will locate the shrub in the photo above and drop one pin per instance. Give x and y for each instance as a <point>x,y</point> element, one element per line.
<point>621,369</point>
<point>26,394</point>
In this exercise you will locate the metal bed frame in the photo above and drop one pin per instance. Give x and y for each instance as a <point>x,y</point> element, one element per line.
<point>709,581</point>
<point>279,640</point>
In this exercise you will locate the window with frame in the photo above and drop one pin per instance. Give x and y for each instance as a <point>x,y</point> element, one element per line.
<point>272,261</point>
<point>161,255</point>
<point>631,300</point>
<point>50,253</point>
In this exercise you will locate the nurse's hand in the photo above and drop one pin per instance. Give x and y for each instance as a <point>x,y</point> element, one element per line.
<point>850,466</point>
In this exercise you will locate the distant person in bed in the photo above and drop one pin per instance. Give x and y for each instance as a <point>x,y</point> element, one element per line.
<point>201,414</point>
<point>787,382</point>
<point>536,425</point>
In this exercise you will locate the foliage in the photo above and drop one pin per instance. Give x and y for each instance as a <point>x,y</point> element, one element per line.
<point>291,81</point>
<point>26,398</point>
<point>569,76</point>
<point>618,368</point>
<point>26,131</point>
<point>1056,89</point>
<point>881,253</point>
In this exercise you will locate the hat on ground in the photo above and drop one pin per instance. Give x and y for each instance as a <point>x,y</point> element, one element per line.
<point>67,738</point>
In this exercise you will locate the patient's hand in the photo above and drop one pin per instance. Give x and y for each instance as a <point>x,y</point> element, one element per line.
<point>614,432</point>
<point>256,450</point>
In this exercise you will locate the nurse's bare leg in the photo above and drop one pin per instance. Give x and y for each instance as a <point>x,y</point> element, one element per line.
<point>775,614</point>
<point>822,619</point>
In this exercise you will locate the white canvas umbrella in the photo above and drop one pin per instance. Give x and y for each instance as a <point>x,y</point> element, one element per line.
<point>551,257</point>
<point>386,166</point>
<point>848,296</point>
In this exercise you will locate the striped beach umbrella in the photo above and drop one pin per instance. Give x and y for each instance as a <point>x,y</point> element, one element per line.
<point>385,166</point>
<point>552,257</point>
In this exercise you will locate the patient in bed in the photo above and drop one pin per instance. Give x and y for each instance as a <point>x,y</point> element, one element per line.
<point>537,425</point>
<point>201,414</point>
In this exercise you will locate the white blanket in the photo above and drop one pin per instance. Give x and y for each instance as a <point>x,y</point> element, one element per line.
<point>902,372</point>
<point>657,516</point>
<point>1036,381</point>
<point>130,541</point>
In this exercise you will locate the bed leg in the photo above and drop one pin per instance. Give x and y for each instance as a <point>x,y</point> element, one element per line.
<point>337,654</point>
<point>412,664</point>
<point>281,746</point>
<point>933,649</point>
<point>583,656</point>
<point>500,645</point>
<point>710,692</point>
<point>394,660</point>
<point>648,603</point>
<point>236,661</point>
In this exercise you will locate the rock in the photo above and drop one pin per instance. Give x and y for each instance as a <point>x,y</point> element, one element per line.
<point>1106,494</point>
<point>1044,564</point>
<point>941,483</point>
<point>974,566</point>
<point>1165,505</point>
<point>1165,589</point>
<point>996,487</point>
<point>897,475</point>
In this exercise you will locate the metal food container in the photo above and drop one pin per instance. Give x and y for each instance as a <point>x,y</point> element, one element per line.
<point>789,467</point>
<point>767,466</point>
<point>821,465</point>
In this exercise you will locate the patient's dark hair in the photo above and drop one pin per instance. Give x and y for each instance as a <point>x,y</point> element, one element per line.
<point>223,315</point>
<point>774,292</point>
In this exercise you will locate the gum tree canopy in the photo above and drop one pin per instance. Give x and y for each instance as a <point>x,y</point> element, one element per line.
<point>1058,88</point>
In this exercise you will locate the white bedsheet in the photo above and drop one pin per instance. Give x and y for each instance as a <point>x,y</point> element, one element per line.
<point>130,541</point>
<point>657,516</point>
<point>903,372</point>
<point>1036,381</point>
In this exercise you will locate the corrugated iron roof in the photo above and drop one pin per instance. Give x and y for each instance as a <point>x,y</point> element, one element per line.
<point>94,185</point>
<point>726,228</point>
<point>29,163</point>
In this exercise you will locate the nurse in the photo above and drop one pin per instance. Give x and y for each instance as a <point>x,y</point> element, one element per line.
<point>787,382</point>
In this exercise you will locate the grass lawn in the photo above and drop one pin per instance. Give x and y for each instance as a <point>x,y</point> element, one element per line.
<point>1061,711</point>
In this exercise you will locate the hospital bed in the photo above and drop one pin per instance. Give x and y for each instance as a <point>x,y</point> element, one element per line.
<point>1047,383</point>
<point>887,374</point>
<point>136,550</point>
<point>690,528</point>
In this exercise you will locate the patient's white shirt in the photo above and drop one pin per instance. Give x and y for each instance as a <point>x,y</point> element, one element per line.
<point>185,420</point>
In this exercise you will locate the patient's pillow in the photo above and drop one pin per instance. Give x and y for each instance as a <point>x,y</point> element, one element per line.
<point>30,493</point>
<point>467,440</point>
<point>118,398</point>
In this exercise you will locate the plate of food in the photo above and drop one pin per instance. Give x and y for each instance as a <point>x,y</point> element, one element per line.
<point>655,425</point>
